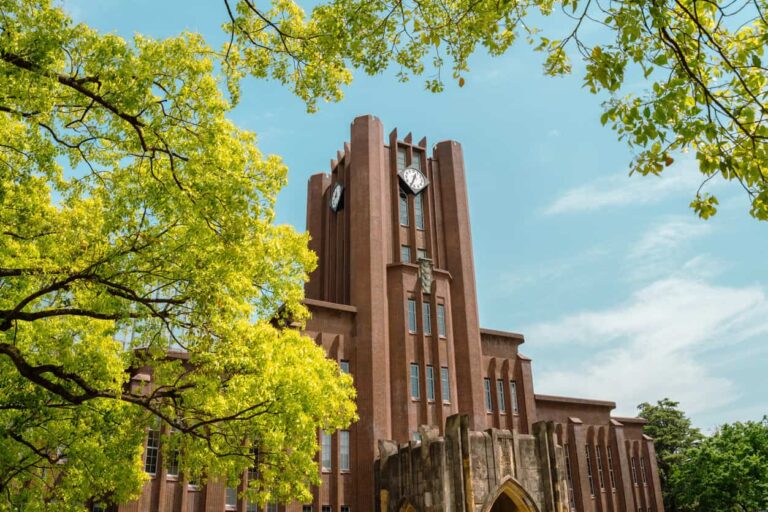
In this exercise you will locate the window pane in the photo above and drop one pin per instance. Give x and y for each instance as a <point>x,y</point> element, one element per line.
<point>430,383</point>
<point>427,311</point>
<point>421,253</point>
<point>272,507</point>
<point>589,473</point>
<point>513,392</point>
<point>610,468</point>
<point>415,392</point>
<point>441,320</point>
<point>253,470</point>
<point>344,450</point>
<point>405,254</point>
<point>153,448</point>
<point>326,450</point>
<point>446,385</point>
<point>345,508</point>
<point>400,159</point>
<point>418,207</point>
<point>326,508</point>
<point>488,401</point>
<point>231,498</point>
<point>344,365</point>
<point>417,160</point>
<point>306,508</point>
<point>411,315</point>
<point>403,209</point>
<point>599,460</point>
<point>502,398</point>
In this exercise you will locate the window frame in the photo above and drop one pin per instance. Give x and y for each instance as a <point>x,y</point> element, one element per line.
<point>412,321</point>
<point>430,383</point>
<point>404,209</point>
<point>513,396</point>
<point>326,454</point>
<point>418,211</point>
<point>426,318</point>
<point>488,397</point>
<point>405,254</point>
<point>445,385</point>
<point>414,380</point>
<point>345,457</point>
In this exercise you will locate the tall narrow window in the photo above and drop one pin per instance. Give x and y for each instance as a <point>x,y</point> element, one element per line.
<point>502,398</point>
<point>415,391</point>
<point>400,159</point>
<point>252,507</point>
<point>421,254</point>
<point>441,320</point>
<point>326,508</point>
<point>344,450</point>
<point>642,470</point>
<point>253,469</point>
<point>513,396</point>
<point>599,457</point>
<point>417,160</point>
<point>589,473</point>
<point>307,508</point>
<point>634,471</point>
<point>345,508</point>
<point>405,254</point>
<point>426,308</point>
<point>411,315</point>
<point>445,384</point>
<point>611,476</point>
<point>231,499</point>
<point>271,507</point>
<point>344,365</point>
<point>403,208</point>
<point>326,450</point>
<point>488,399</point>
<point>430,382</point>
<point>418,208</point>
<point>153,447</point>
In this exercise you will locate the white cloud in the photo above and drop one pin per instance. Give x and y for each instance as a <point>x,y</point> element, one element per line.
<point>622,190</point>
<point>648,347</point>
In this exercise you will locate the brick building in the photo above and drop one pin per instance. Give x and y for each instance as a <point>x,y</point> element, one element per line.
<point>449,419</point>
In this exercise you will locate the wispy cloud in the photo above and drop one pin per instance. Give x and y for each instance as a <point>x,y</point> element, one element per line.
<point>649,347</point>
<point>622,190</point>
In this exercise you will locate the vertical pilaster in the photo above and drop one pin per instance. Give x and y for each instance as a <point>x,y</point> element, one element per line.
<point>365,194</point>
<point>459,262</point>
<point>655,483</point>
<point>623,472</point>
<point>316,212</point>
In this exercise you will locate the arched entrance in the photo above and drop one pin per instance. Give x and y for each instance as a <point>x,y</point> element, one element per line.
<point>510,496</point>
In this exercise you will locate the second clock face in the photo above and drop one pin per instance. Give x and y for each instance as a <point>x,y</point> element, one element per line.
<point>414,179</point>
<point>336,194</point>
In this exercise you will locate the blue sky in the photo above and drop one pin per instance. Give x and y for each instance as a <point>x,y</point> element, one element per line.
<point>621,291</point>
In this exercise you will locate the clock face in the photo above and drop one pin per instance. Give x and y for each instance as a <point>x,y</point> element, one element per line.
<point>336,194</point>
<point>414,179</point>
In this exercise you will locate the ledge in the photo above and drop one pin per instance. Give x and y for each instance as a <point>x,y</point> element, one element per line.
<point>637,421</point>
<point>415,268</point>
<point>503,334</point>
<point>344,308</point>
<point>575,401</point>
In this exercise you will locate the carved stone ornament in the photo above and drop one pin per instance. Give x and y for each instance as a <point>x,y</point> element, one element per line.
<point>425,274</point>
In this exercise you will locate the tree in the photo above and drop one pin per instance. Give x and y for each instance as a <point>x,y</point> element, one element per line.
<point>727,471</point>
<point>137,237</point>
<point>702,61</point>
<point>672,435</point>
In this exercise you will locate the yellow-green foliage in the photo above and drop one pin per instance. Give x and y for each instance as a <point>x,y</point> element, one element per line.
<point>136,218</point>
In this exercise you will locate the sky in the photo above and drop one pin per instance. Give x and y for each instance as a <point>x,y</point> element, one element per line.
<point>622,293</point>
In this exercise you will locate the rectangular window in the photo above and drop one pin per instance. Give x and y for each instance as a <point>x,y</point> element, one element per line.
<point>501,395</point>
<point>344,365</point>
<point>418,209</point>
<point>153,448</point>
<point>326,508</point>
<point>599,457</point>
<point>411,315</point>
<point>231,499</point>
<point>415,391</point>
<point>513,396</point>
<point>344,450</point>
<point>405,254</point>
<point>417,160</point>
<point>589,473</point>
<point>172,466</point>
<point>326,450</point>
<point>642,470</point>
<point>421,254</point>
<point>403,208</point>
<point>400,159</point>
<point>426,309</point>
<point>272,507</point>
<point>345,508</point>
<point>430,383</point>
<point>446,384</point>
<point>253,470</point>
<point>307,508</point>
<point>634,471</point>
<point>416,436</point>
<point>441,320</point>
<point>252,507</point>
<point>488,399</point>
<point>611,476</point>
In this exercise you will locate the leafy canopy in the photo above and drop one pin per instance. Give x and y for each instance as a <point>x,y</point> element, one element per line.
<point>135,220</point>
<point>672,435</point>
<point>705,89</point>
<point>727,471</point>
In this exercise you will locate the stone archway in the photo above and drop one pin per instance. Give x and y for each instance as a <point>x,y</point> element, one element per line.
<point>510,496</point>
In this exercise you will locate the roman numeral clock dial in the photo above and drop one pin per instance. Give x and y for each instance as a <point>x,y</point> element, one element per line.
<point>414,179</point>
